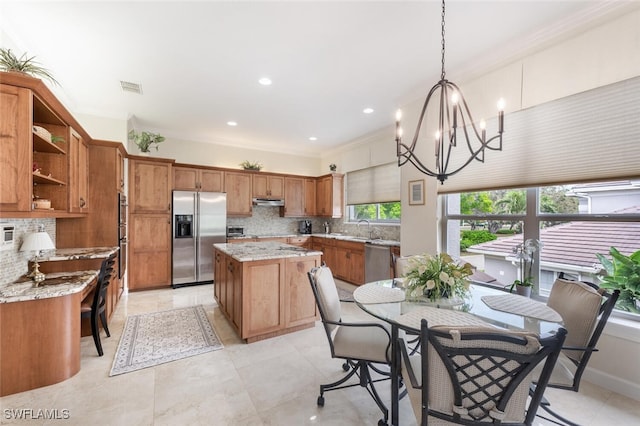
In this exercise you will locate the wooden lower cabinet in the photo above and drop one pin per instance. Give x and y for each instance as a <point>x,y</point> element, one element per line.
<point>345,258</point>
<point>300,305</point>
<point>149,251</point>
<point>265,298</point>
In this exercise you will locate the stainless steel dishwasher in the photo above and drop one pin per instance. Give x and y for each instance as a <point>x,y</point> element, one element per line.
<point>377,262</point>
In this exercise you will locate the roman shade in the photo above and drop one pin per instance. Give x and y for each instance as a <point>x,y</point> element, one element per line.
<point>378,184</point>
<point>590,136</point>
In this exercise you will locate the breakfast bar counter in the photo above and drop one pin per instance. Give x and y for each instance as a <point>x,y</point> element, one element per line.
<point>262,287</point>
<point>40,327</point>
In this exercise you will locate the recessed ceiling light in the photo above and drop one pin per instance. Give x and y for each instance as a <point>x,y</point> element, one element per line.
<point>313,138</point>
<point>231,123</point>
<point>367,110</point>
<point>265,81</point>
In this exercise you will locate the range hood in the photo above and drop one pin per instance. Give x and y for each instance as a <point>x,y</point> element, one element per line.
<point>267,202</point>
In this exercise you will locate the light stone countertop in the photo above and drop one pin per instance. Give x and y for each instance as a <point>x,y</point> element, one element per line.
<point>250,251</point>
<point>333,236</point>
<point>78,253</point>
<point>56,284</point>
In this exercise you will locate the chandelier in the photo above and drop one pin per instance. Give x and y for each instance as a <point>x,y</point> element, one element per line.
<point>454,118</point>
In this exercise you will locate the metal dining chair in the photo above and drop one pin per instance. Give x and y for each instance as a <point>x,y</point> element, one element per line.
<point>476,375</point>
<point>585,309</point>
<point>364,346</point>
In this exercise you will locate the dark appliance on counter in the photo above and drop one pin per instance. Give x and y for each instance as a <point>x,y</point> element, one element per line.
<point>304,227</point>
<point>122,234</point>
<point>199,221</point>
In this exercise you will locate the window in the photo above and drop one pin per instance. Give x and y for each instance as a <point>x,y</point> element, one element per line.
<point>374,194</point>
<point>573,222</point>
<point>377,212</point>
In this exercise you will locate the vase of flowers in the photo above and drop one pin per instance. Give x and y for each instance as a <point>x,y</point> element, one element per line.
<point>523,259</point>
<point>437,277</point>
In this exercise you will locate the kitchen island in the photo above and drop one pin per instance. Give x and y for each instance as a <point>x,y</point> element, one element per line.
<point>262,288</point>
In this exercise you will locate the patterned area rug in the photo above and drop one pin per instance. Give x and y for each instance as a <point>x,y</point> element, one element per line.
<point>159,337</point>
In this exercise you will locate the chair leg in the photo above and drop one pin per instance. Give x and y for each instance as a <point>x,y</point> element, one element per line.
<point>546,406</point>
<point>95,331</point>
<point>369,385</point>
<point>103,320</point>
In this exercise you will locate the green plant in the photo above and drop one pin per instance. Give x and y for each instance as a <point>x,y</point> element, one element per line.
<point>144,140</point>
<point>524,259</point>
<point>473,237</point>
<point>622,273</point>
<point>437,276</point>
<point>249,165</point>
<point>10,62</point>
<point>56,139</point>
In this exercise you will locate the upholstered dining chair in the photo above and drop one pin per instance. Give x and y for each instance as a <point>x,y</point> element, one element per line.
<point>477,375</point>
<point>96,309</point>
<point>364,346</point>
<point>585,309</point>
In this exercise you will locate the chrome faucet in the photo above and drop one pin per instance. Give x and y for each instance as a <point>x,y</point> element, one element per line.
<point>368,225</point>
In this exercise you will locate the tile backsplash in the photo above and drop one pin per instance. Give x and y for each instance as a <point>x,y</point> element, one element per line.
<point>13,262</point>
<point>266,220</point>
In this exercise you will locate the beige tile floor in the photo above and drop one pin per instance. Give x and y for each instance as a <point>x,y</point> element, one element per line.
<point>273,382</point>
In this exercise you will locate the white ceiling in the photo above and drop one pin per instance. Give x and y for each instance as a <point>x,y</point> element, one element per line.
<point>199,62</point>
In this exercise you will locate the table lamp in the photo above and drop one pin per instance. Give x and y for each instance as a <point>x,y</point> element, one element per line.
<point>37,241</point>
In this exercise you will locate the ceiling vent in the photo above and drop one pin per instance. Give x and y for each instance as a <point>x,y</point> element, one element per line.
<point>131,87</point>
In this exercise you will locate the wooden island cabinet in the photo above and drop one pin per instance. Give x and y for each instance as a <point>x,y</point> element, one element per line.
<point>262,288</point>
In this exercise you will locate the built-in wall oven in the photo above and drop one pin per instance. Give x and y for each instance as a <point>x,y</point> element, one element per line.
<point>122,234</point>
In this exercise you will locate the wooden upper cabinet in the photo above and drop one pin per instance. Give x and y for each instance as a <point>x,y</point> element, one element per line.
<point>15,150</point>
<point>293,197</point>
<point>78,173</point>
<point>268,186</point>
<point>149,185</point>
<point>310,197</point>
<point>238,188</point>
<point>329,195</point>
<point>195,179</point>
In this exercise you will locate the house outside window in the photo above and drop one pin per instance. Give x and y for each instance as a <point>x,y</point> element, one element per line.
<point>573,222</point>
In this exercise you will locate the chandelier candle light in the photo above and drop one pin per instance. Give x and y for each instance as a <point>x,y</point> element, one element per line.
<point>454,117</point>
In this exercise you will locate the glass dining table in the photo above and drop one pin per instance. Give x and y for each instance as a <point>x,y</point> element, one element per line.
<point>483,306</point>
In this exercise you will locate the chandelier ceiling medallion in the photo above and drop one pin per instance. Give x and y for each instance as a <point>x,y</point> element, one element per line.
<point>454,118</point>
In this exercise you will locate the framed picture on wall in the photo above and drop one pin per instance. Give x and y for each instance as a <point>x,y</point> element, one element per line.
<point>416,192</point>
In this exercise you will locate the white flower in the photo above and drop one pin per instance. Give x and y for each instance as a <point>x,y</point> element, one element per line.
<point>431,284</point>
<point>444,277</point>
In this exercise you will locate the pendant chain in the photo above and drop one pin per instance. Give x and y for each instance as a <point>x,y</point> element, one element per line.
<point>442,75</point>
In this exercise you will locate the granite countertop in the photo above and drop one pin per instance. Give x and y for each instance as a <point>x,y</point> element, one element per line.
<point>333,236</point>
<point>247,252</point>
<point>78,253</point>
<point>56,284</point>
<point>374,241</point>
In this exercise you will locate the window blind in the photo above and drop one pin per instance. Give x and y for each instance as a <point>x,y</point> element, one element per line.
<point>589,136</point>
<point>379,184</point>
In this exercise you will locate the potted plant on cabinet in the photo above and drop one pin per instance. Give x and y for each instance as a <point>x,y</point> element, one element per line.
<point>623,273</point>
<point>9,62</point>
<point>523,258</point>
<point>145,140</point>
<point>249,165</point>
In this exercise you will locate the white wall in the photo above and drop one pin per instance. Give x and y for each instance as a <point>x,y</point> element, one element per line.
<point>210,154</point>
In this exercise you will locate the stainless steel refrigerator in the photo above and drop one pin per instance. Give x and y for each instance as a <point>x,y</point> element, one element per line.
<point>199,221</point>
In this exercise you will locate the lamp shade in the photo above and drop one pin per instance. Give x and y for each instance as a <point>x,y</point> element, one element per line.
<point>37,241</point>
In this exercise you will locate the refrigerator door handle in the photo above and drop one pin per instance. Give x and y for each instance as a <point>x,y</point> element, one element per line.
<point>196,233</point>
